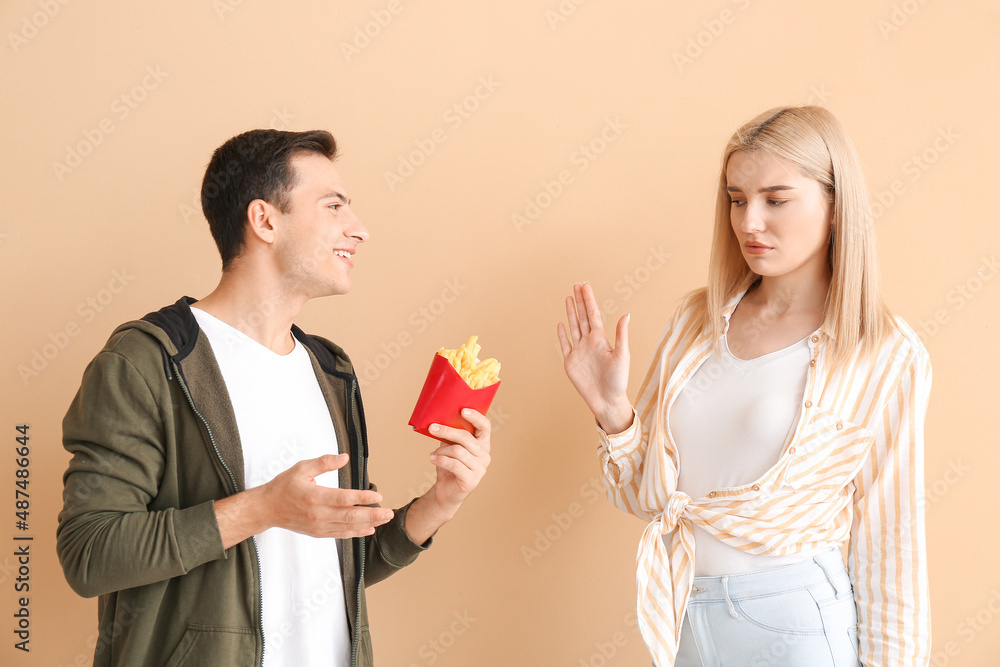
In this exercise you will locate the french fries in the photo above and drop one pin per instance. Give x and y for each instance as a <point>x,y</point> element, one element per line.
<point>477,374</point>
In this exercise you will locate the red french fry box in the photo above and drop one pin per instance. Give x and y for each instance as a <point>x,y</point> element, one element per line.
<point>444,396</point>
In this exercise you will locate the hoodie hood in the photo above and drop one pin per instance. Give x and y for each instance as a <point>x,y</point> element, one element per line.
<point>176,329</point>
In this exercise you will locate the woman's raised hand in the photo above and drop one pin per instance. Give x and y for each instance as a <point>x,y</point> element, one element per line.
<point>598,371</point>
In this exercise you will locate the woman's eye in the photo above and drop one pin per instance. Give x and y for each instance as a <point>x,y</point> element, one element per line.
<point>777,202</point>
<point>335,207</point>
<point>737,202</point>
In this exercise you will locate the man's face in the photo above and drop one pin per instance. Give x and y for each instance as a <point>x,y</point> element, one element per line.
<point>319,234</point>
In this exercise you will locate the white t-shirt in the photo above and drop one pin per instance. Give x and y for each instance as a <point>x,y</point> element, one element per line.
<point>730,424</point>
<point>282,419</point>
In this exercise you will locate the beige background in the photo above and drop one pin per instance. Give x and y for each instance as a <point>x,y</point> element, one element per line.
<point>666,83</point>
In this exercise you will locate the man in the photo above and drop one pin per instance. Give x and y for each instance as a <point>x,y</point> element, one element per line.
<point>201,497</point>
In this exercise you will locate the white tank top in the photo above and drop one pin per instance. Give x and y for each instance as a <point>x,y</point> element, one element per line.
<point>730,423</point>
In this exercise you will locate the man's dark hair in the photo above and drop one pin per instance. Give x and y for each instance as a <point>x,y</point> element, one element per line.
<point>253,165</point>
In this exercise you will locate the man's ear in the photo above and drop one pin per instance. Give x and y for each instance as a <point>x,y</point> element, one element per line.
<point>260,220</point>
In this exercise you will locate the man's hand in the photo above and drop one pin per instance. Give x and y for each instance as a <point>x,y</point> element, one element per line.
<point>293,500</point>
<point>461,463</point>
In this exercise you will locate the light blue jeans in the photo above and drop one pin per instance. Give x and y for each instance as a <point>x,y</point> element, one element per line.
<point>797,615</point>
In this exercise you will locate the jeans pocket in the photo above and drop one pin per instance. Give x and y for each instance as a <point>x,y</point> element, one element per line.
<point>852,637</point>
<point>840,619</point>
<point>791,612</point>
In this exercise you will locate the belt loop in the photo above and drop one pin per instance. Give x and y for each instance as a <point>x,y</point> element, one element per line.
<point>729,602</point>
<point>829,575</point>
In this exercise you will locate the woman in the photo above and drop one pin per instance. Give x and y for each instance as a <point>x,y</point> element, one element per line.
<point>780,421</point>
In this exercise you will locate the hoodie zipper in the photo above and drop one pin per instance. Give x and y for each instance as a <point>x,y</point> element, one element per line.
<point>359,461</point>
<point>232,478</point>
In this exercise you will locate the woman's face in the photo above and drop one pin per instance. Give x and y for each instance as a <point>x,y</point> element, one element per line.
<point>781,218</point>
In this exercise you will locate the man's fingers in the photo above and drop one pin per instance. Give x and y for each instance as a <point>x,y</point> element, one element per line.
<point>347,497</point>
<point>456,452</point>
<point>315,467</point>
<point>459,468</point>
<point>354,522</point>
<point>459,436</point>
<point>351,518</point>
<point>340,521</point>
<point>480,421</point>
<point>362,517</point>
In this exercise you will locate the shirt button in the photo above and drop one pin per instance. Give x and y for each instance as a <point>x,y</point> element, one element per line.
<point>756,487</point>
<point>791,450</point>
<point>812,362</point>
<point>840,426</point>
<point>809,404</point>
<point>815,339</point>
<point>711,494</point>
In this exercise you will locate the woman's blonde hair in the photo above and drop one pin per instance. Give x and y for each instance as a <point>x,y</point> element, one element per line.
<point>812,139</point>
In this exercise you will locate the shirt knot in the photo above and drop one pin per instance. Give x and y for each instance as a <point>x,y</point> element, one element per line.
<point>676,503</point>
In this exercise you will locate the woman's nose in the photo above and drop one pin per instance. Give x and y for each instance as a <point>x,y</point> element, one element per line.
<point>753,220</point>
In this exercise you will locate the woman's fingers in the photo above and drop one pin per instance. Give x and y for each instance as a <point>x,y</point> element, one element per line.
<point>584,320</point>
<point>583,316</point>
<point>581,308</point>
<point>590,303</point>
<point>621,335</point>
<point>574,321</point>
<point>564,344</point>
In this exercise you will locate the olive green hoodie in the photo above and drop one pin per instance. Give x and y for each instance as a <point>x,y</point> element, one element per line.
<point>154,443</point>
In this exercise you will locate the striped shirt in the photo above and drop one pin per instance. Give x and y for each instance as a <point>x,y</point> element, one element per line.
<point>852,470</point>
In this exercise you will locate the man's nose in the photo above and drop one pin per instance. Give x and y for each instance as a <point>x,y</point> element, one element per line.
<point>356,229</point>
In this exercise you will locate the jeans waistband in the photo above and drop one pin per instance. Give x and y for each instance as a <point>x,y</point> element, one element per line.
<point>827,566</point>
